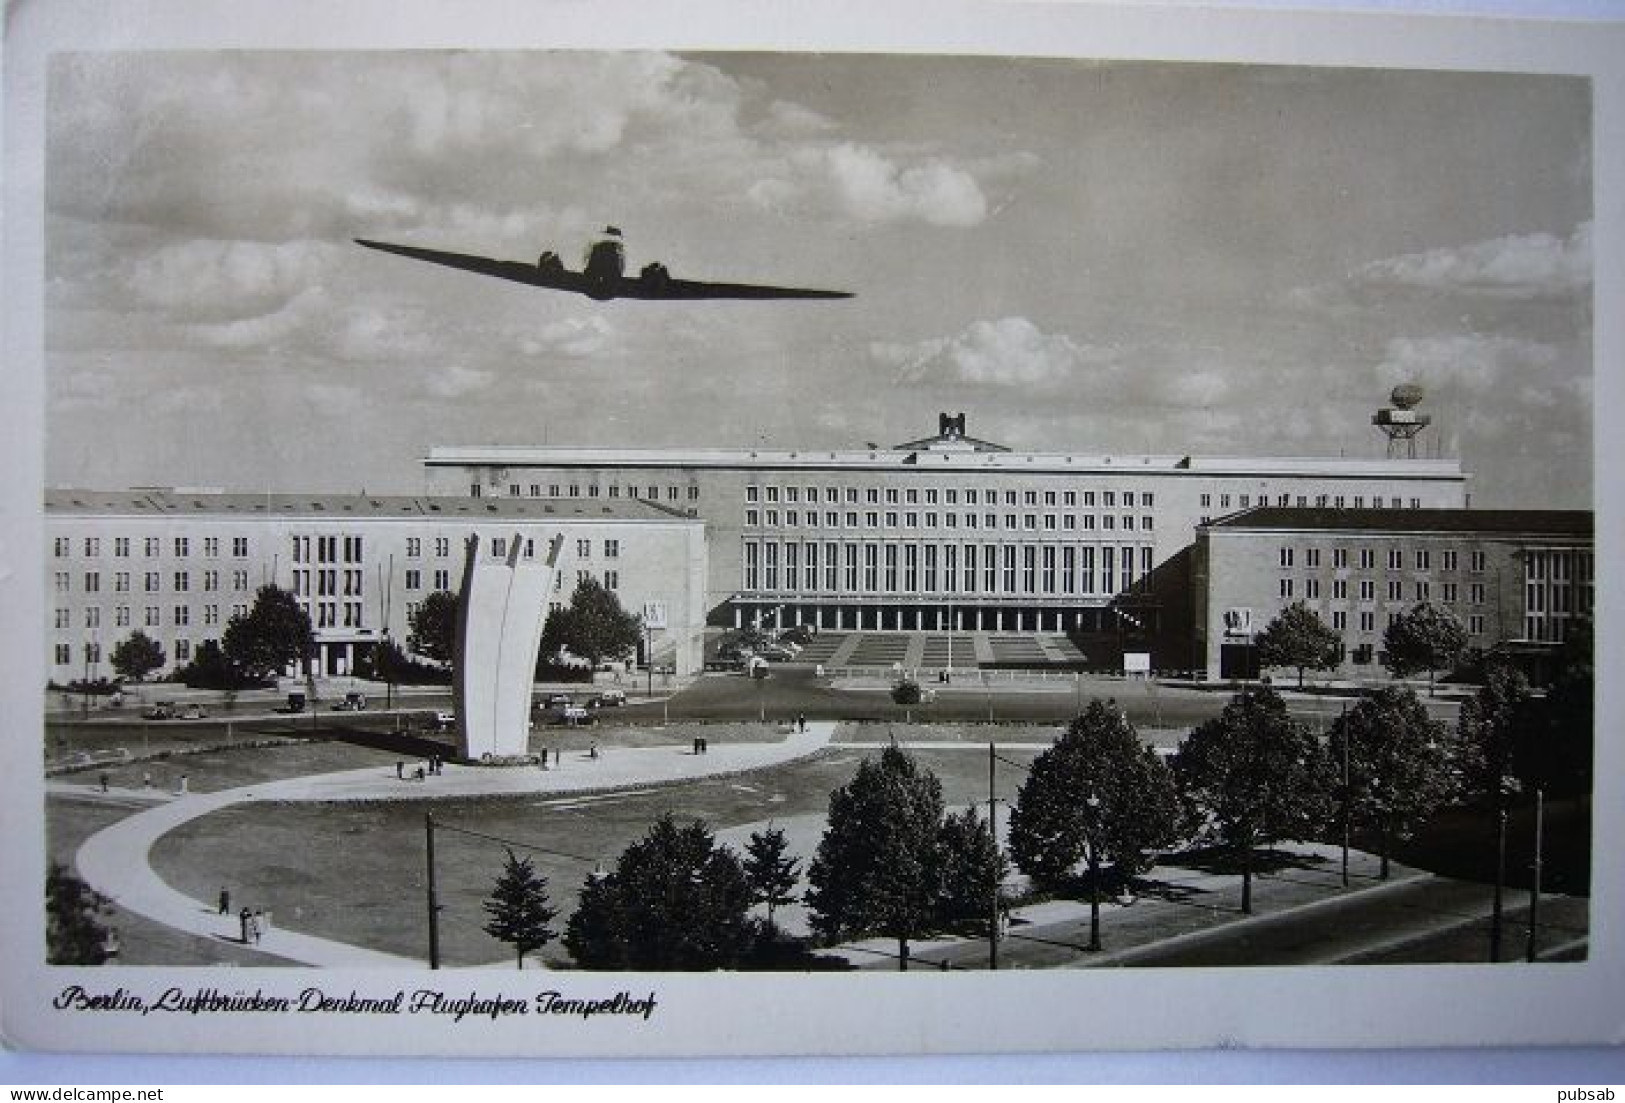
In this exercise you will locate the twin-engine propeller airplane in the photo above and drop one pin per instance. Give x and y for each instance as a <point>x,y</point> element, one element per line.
<point>603,274</point>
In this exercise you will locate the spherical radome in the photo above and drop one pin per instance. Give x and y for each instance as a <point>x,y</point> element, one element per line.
<point>1406,395</point>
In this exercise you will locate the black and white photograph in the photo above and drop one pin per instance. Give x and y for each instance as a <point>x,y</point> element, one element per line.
<point>593,545</point>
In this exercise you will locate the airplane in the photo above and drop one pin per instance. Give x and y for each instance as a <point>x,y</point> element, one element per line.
<point>603,274</point>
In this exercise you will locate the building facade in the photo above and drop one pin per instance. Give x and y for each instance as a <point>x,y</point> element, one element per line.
<point>1516,579</point>
<point>948,531</point>
<point>178,565</point>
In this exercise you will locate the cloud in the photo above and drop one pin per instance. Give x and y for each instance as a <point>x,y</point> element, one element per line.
<point>226,279</point>
<point>1473,363</point>
<point>1520,266</point>
<point>572,337</point>
<point>865,184</point>
<point>289,322</point>
<point>1008,352</point>
<point>456,381</point>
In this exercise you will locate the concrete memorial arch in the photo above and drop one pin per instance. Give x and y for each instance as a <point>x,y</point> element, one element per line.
<point>499,631</point>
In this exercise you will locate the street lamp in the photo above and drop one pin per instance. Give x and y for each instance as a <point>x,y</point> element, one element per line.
<point>1093,803</point>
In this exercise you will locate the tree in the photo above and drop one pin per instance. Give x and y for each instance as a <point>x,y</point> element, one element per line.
<point>907,692</point>
<point>675,901</point>
<point>1556,753</point>
<point>210,669</point>
<point>1252,775</point>
<point>270,636</point>
<point>771,873</point>
<point>1426,638</point>
<point>136,656</point>
<point>519,909</point>
<point>433,626</point>
<point>1398,760</point>
<point>1299,638</point>
<point>1488,732</point>
<point>593,625</point>
<point>1097,795</point>
<point>877,870</point>
<point>74,934</point>
<point>973,868</point>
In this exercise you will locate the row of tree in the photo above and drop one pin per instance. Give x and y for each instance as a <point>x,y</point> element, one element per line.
<point>1425,640</point>
<point>1097,807</point>
<point>275,633</point>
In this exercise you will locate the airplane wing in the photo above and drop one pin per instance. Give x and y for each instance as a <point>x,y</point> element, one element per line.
<point>561,278</point>
<point>620,287</point>
<point>631,287</point>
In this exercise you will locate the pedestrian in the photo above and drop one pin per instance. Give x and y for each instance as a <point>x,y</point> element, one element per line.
<point>104,781</point>
<point>146,780</point>
<point>181,789</point>
<point>593,751</point>
<point>418,775</point>
<point>801,721</point>
<point>558,757</point>
<point>225,900</point>
<point>255,925</point>
<point>245,920</point>
<point>400,771</point>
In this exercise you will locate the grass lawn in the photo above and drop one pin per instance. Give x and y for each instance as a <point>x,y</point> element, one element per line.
<point>356,872</point>
<point>68,822</point>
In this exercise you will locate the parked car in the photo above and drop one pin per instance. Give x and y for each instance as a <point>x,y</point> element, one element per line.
<point>296,703</point>
<point>194,712</point>
<point>160,710</point>
<point>555,701</point>
<point>574,714</point>
<point>353,702</point>
<point>607,699</point>
<point>444,721</point>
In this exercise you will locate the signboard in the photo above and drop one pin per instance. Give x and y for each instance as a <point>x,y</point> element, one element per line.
<point>654,615</point>
<point>1136,662</point>
<point>1238,622</point>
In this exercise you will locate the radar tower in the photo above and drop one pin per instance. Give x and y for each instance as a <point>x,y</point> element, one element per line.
<point>1401,422</point>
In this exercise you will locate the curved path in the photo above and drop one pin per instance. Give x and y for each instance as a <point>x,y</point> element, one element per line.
<point>115,861</point>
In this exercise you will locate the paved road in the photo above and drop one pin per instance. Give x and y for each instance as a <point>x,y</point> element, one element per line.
<point>1421,919</point>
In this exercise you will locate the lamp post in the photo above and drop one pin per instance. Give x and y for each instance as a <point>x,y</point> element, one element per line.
<point>1534,887</point>
<point>1500,879</point>
<point>1348,812</point>
<point>993,833</point>
<point>1093,803</point>
<point>434,904</point>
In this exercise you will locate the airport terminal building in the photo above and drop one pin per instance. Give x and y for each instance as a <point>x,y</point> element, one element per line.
<point>1515,579</point>
<point>177,565</point>
<point>949,531</point>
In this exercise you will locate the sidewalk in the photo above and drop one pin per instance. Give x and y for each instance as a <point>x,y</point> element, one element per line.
<point>114,861</point>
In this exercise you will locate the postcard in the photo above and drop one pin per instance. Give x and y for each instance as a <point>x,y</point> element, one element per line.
<point>693,533</point>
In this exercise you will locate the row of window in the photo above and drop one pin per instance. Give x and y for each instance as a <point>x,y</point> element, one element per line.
<point>328,549</point>
<point>180,615</point>
<point>181,652</point>
<point>328,582</point>
<point>1368,621</point>
<point>844,567</point>
<point>1421,559</point>
<point>1421,590</point>
<point>1301,501</point>
<point>892,519</point>
<point>152,546</point>
<point>152,582</point>
<point>948,496</point>
<point>592,490</point>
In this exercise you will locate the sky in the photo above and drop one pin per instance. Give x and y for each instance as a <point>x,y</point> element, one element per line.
<point>1082,256</point>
